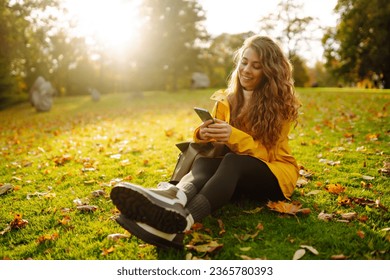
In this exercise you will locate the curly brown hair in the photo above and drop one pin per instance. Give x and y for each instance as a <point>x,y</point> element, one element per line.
<point>273,101</point>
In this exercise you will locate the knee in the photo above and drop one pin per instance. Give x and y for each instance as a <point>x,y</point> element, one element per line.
<point>230,158</point>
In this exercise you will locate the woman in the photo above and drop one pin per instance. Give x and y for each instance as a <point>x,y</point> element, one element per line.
<point>252,117</point>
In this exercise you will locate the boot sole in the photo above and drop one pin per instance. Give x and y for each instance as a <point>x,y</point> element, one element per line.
<point>148,237</point>
<point>140,205</point>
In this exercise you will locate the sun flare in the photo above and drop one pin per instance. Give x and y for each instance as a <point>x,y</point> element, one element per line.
<point>112,23</point>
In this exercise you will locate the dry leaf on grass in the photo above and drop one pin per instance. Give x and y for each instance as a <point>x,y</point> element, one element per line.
<point>245,257</point>
<point>205,248</point>
<point>338,257</point>
<point>361,234</point>
<point>16,223</point>
<point>5,188</point>
<point>335,188</point>
<point>310,248</point>
<point>246,236</point>
<point>349,216</point>
<point>253,211</point>
<point>87,208</point>
<point>325,217</point>
<point>301,182</point>
<point>315,192</point>
<point>117,236</point>
<point>221,227</point>
<point>47,237</point>
<point>105,252</point>
<point>299,254</point>
<point>287,208</point>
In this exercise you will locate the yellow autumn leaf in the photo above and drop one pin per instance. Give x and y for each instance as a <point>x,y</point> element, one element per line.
<point>284,207</point>
<point>105,252</point>
<point>335,188</point>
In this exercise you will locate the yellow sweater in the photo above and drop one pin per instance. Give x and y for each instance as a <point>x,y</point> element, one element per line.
<point>279,160</point>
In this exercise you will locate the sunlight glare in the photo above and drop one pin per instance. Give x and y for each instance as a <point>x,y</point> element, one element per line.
<point>112,23</point>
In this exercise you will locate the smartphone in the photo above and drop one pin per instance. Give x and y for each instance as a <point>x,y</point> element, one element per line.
<point>204,114</point>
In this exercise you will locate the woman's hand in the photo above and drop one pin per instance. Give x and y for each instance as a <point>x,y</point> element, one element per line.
<point>219,131</point>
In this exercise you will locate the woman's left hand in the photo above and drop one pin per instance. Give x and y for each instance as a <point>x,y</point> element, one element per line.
<point>219,131</point>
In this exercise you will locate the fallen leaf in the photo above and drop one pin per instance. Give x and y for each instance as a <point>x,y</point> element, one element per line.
<point>349,216</point>
<point>253,211</point>
<point>169,132</point>
<point>47,237</point>
<point>305,173</point>
<point>260,226</point>
<point>65,220</point>
<point>386,168</point>
<point>245,257</point>
<point>98,193</point>
<point>338,257</point>
<point>366,185</point>
<point>117,236</point>
<point>361,234</point>
<point>325,217</point>
<point>197,226</point>
<point>246,236</point>
<point>304,211</point>
<point>107,251</point>
<point>16,223</point>
<point>245,249</point>
<point>372,136</point>
<point>61,160</point>
<point>335,188</point>
<point>284,207</point>
<point>310,248</point>
<point>38,194</point>
<point>5,188</point>
<point>299,254</point>
<point>301,182</point>
<point>87,208</point>
<point>313,192</point>
<point>368,178</point>
<point>221,227</point>
<point>89,182</point>
<point>205,248</point>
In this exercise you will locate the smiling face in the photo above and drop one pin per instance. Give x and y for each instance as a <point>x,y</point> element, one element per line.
<point>250,71</point>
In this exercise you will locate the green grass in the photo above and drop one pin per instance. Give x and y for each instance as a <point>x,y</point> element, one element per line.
<point>57,158</point>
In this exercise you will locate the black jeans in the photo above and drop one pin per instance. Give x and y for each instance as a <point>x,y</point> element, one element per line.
<point>219,179</point>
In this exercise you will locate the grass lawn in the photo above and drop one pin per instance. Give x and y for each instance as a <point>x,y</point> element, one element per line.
<point>57,169</point>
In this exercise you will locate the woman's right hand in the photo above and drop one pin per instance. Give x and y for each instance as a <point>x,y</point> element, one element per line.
<point>203,130</point>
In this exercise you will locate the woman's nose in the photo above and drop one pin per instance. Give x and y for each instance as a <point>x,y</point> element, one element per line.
<point>246,68</point>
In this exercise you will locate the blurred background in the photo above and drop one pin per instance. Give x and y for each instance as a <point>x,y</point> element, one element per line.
<point>140,45</point>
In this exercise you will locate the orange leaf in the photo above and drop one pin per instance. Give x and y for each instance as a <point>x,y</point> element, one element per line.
<point>18,222</point>
<point>65,220</point>
<point>260,226</point>
<point>372,136</point>
<point>108,251</point>
<point>284,207</point>
<point>335,188</point>
<point>361,234</point>
<point>47,237</point>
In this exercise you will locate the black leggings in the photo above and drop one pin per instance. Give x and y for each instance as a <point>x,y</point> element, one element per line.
<point>218,179</point>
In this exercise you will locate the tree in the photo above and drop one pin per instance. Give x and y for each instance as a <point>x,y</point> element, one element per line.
<point>171,35</point>
<point>360,44</point>
<point>24,47</point>
<point>217,59</point>
<point>294,31</point>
